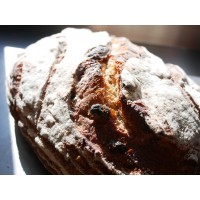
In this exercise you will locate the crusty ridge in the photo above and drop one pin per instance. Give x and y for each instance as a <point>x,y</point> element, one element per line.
<point>102,107</point>
<point>57,112</point>
<point>28,114</point>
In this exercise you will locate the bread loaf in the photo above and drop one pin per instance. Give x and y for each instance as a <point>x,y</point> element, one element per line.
<point>91,103</point>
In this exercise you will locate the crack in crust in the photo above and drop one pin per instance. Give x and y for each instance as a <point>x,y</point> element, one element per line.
<point>97,83</point>
<point>60,55</point>
<point>98,88</point>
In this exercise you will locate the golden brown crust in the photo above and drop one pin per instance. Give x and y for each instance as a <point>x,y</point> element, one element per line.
<point>105,119</point>
<point>96,109</point>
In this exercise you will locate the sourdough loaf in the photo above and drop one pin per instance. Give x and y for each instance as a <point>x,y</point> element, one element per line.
<point>91,103</point>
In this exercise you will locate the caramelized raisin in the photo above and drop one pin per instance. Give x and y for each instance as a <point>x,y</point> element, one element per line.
<point>100,110</point>
<point>98,52</point>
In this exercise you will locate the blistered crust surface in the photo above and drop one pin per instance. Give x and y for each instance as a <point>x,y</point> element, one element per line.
<point>169,108</point>
<point>105,106</point>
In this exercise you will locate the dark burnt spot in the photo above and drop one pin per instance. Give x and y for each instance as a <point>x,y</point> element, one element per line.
<point>99,52</point>
<point>161,133</point>
<point>100,110</point>
<point>72,95</point>
<point>81,143</point>
<point>145,127</point>
<point>82,68</point>
<point>117,147</point>
<point>127,86</point>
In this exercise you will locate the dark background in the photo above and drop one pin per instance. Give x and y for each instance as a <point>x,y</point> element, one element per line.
<point>174,44</point>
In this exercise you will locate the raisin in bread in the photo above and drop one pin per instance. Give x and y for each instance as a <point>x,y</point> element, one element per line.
<point>90,103</point>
